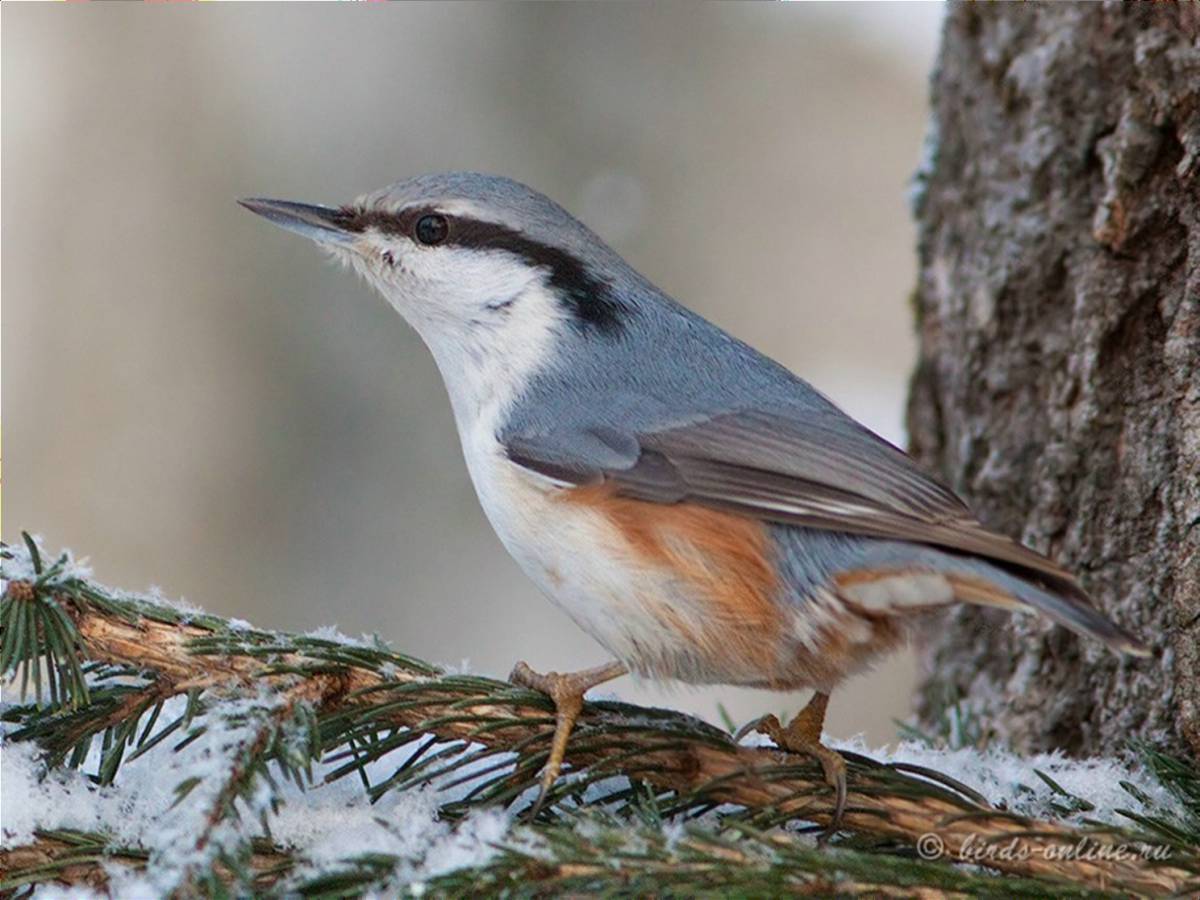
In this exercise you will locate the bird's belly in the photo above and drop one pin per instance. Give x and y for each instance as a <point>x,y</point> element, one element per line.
<point>673,592</point>
<point>574,558</point>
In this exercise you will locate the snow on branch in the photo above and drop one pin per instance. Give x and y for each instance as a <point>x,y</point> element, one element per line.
<point>174,753</point>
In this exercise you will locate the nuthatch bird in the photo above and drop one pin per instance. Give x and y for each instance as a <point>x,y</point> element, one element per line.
<point>699,510</point>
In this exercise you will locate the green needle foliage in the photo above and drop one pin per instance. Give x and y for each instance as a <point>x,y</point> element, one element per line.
<point>35,631</point>
<point>656,802</point>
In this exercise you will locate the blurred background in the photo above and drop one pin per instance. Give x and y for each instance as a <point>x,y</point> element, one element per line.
<point>195,398</point>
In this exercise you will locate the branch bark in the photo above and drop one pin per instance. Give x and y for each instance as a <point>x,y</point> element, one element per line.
<point>1058,307</point>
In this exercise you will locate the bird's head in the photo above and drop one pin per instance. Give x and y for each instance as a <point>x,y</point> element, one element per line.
<point>464,255</point>
<point>494,276</point>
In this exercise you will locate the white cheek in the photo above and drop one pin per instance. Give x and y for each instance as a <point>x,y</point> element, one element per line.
<point>471,279</point>
<point>442,284</point>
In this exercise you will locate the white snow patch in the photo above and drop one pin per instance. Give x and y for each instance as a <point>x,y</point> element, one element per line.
<point>1004,777</point>
<point>19,565</point>
<point>332,634</point>
<point>32,798</point>
<point>326,824</point>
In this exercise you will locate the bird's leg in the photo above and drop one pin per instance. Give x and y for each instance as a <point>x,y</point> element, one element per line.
<point>803,735</point>
<point>566,690</point>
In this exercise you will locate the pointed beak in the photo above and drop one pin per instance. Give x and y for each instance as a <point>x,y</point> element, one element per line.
<point>323,224</point>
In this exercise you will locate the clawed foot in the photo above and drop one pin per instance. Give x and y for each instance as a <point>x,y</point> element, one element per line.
<point>803,735</point>
<point>566,690</point>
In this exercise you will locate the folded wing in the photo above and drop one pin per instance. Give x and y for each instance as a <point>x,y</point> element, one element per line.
<point>831,474</point>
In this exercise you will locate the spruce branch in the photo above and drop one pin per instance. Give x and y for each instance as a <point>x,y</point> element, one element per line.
<point>294,701</point>
<point>590,854</point>
<point>82,858</point>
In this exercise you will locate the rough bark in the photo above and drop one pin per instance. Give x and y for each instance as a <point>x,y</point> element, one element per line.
<point>1058,387</point>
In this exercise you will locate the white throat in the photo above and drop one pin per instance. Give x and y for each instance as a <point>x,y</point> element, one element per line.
<point>487,365</point>
<point>490,322</point>
<point>487,361</point>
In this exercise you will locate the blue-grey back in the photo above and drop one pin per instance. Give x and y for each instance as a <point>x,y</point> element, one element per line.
<point>666,366</point>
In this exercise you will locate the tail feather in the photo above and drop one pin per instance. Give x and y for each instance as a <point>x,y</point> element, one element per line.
<point>1068,605</point>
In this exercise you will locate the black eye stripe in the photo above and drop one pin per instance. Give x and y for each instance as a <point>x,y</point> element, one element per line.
<point>588,296</point>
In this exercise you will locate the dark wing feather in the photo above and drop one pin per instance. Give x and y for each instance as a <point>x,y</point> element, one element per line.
<point>831,474</point>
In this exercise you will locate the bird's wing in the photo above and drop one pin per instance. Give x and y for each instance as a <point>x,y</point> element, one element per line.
<point>830,473</point>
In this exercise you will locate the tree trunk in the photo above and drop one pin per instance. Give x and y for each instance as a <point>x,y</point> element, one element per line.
<point>1058,387</point>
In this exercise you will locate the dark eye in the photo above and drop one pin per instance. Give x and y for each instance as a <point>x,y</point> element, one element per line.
<point>432,230</point>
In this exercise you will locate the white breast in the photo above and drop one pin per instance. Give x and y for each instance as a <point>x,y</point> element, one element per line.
<point>568,552</point>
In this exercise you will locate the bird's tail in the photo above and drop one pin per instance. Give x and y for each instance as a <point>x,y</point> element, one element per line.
<point>1065,602</point>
